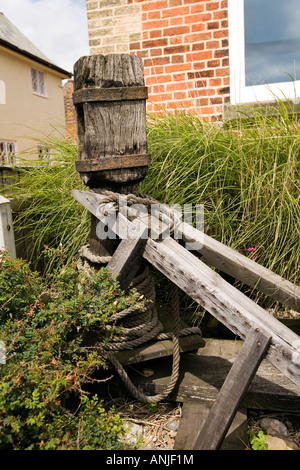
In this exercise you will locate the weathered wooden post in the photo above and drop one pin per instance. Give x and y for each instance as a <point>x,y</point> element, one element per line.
<point>7,239</point>
<point>110,102</point>
<point>110,99</point>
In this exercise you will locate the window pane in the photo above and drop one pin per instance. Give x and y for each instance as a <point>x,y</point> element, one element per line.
<point>34,80</point>
<point>41,83</point>
<point>272,41</point>
<point>38,82</point>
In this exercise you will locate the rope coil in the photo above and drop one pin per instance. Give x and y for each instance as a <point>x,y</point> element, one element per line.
<point>139,327</point>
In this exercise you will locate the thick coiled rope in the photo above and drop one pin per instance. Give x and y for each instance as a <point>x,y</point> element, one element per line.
<point>139,326</point>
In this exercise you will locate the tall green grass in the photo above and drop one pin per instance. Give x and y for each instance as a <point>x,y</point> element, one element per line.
<point>45,213</point>
<point>245,172</point>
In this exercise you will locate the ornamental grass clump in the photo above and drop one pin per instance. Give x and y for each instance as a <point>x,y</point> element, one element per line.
<point>245,172</point>
<point>54,334</point>
<point>45,213</point>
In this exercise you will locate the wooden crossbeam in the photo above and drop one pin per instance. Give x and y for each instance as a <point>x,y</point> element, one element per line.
<point>231,394</point>
<point>226,303</point>
<point>237,265</point>
<point>230,261</point>
<point>242,268</point>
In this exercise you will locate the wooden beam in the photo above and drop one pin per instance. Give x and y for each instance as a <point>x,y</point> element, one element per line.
<point>203,374</point>
<point>240,267</point>
<point>230,261</point>
<point>231,394</point>
<point>237,265</point>
<point>226,303</point>
<point>127,258</point>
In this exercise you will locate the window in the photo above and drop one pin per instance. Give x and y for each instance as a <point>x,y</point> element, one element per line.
<point>38,82</point>
<point>7,152</point>
<point>2,92</point>
<point>44,153</point>
<point>264,50</point>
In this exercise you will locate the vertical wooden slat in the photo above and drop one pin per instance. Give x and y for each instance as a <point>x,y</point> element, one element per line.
<point>232,391</point>
<point>127,258</point>
<point>7,239</point>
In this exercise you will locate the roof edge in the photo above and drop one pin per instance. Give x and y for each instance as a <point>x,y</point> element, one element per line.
<point>50,65</point>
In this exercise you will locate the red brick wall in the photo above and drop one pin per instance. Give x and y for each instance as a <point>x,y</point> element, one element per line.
<point>184,45</point>
<point>185,51</point>
<point>69,110</point>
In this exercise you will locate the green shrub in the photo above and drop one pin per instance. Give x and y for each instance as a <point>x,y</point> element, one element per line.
<point>46,327</point>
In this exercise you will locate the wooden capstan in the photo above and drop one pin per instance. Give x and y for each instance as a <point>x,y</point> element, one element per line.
<point>110,102</point>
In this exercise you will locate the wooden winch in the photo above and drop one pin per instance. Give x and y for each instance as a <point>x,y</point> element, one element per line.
<point>110,100</point>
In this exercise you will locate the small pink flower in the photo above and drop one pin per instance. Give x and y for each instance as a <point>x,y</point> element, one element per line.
<point>251,248</point>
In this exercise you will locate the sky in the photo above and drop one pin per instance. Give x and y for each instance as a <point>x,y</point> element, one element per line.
<point>272,47</point>
<point>57,27</point>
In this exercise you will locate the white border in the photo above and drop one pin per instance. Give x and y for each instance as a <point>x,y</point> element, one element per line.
<point>239,93</point>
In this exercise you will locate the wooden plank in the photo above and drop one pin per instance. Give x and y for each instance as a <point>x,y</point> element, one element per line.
<point>197,413</point>
<point>91,201</point>
<point>127,258</point>
<point>230,261</point>
<point>235,264</point>
<point>240,267</point>
<point>230,396</point>
<point>231,307</point>
<point>202,375</point>
<point>157,229</point>
<point>110,94</point>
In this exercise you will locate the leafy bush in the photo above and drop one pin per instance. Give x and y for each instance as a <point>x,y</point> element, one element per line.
<point>48,328</point>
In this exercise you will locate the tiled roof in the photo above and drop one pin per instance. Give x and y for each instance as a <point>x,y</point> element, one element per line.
<point>11,36</point>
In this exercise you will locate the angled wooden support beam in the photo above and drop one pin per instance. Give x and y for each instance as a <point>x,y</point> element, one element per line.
<point>231,394</point>
<point>127,258</point>
<point>237,265</point>
<point>240,267</point>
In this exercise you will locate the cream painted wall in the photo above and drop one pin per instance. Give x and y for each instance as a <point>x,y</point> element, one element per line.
<point>24,115</point>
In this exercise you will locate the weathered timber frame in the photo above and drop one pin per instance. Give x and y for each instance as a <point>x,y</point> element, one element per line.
<point>264,335</point>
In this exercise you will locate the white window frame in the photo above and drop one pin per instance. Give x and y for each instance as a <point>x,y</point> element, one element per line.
<point>239,92</point>
<point>38,81</point>
<point>2,92</point>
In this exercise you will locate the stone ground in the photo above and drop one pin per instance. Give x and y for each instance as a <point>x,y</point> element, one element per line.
<point>158,425</point>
